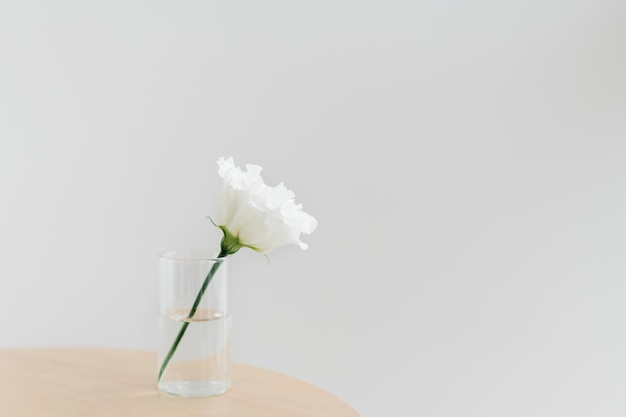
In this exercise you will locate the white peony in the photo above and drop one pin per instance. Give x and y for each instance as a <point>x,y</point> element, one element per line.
<point>254,215</point>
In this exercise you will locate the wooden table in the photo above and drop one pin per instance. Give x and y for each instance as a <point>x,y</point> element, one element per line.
<point>122,383</point>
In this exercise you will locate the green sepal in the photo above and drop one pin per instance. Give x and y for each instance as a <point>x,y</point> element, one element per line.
<point>230,243</point>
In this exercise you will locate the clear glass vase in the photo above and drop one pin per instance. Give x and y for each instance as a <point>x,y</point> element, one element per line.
<point>194,325</point>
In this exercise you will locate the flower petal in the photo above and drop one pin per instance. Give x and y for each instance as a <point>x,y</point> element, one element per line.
<point>262,217</point>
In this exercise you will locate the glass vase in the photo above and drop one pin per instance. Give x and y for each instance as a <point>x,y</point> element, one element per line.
<point>194,325</point>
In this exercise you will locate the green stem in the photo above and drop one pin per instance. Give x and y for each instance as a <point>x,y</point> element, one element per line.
<point>192,312</point>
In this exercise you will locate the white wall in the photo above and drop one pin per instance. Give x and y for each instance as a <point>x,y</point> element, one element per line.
<point>465,160</point>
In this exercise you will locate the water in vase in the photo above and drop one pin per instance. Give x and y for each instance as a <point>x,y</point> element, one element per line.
<point>200,365</point>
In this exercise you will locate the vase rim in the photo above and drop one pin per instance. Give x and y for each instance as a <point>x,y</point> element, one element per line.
<point>189,255</point>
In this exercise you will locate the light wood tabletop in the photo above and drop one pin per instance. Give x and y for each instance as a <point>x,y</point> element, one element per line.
<point>122,383</point>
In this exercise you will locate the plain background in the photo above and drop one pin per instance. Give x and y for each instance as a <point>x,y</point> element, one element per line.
<point>465,161</point>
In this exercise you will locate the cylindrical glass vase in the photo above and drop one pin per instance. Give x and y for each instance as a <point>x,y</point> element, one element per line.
<point>194,325</point>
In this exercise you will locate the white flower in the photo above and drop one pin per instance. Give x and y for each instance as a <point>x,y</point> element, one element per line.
<point>252,214</point>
